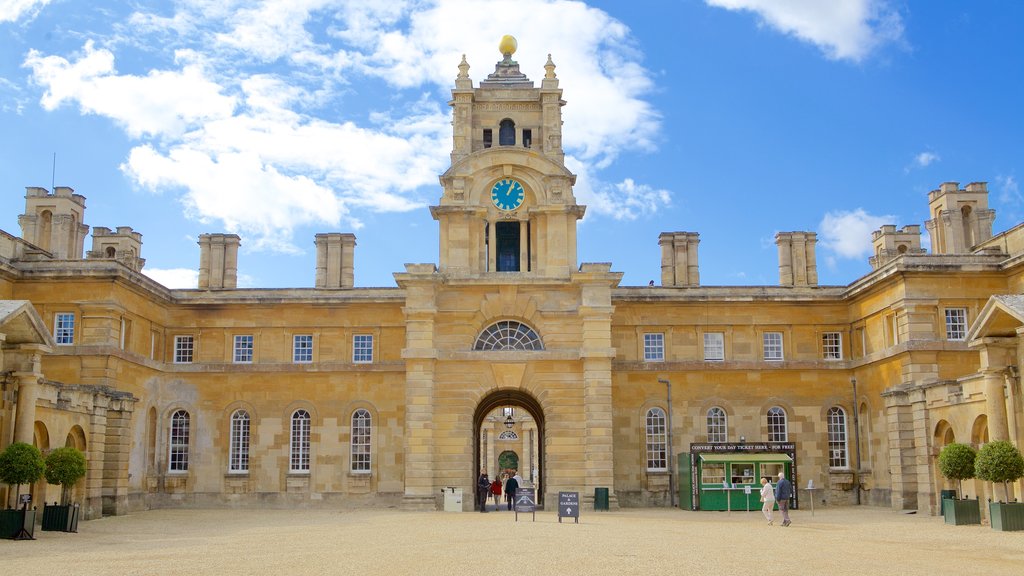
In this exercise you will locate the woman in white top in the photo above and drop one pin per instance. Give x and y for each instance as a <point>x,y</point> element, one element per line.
<point>768,497</point>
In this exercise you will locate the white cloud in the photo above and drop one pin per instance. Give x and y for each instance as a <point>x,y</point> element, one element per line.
<point>251,120</point>
<point>14,10</point>
<point>842,29</point>
<point>160,103</point>
<point>174,277</point>
<point>925,158</point>
<point>848,234</point>
<point>1009,190</point>
<point>625,200</point>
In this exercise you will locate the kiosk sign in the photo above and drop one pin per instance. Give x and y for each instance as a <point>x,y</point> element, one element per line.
<point>569,506</point>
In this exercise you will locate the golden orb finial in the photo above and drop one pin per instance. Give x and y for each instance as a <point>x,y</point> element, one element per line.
<point>508,45</point>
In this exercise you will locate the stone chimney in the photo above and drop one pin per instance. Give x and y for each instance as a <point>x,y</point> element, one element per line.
<point>797,262</point>
<point>54,222</point>
<point>218,261</point>
<point>125,246</point>
<point>961,219</point>
<point>334,260</point>
<point>679,258</point>
<point>888,243</point>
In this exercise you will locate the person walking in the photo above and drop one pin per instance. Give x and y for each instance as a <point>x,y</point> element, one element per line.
<point>511,485</point>
<point>768,497</point>
<point>496,492</point>
<point>783,492</point>
<point>483,489</point>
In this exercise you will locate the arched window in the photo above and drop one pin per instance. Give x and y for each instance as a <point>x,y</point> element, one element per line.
<point>508,335</point>
<point>657,452</point>
<point>507,133</point>
<point>299,459</point>
<point>178,442</point>
<point>777,428</point>
<point>361,427</point>
<point>718,426</point>
<point>238,454</point>
<point>837,448</point>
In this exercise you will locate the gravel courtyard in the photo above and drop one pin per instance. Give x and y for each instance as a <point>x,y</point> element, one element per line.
<point>834,541</point>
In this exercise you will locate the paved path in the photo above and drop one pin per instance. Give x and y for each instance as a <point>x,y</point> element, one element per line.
<point>836,541</point>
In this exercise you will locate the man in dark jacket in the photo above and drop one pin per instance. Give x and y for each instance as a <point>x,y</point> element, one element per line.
<point>483,489</point>
<point>783,492</point>
<point>511,485</point>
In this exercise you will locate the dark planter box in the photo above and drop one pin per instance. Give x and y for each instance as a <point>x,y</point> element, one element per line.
<point>13,521</point>
<point>1007,517</point>
<point>961,512</point>
<point>60,518</point>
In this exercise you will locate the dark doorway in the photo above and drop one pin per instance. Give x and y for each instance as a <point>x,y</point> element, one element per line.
<point>509,459</point>
<point>506,235</point>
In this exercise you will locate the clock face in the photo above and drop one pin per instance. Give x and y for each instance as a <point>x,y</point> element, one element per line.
<point>507,194</point>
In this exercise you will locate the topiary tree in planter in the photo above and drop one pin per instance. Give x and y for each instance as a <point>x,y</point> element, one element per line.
<point>65,466</point>
<point>956,462</point>
<point>21,463</point>
<point>999,461</point>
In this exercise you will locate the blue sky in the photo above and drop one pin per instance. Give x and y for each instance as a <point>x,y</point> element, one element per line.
<point>735,119</point>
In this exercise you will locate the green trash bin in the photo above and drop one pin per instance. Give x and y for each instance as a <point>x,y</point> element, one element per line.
<point>943,495</point>
<point>601,499</point>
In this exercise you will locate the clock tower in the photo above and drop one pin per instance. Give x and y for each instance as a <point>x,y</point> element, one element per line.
<point>507,204</point>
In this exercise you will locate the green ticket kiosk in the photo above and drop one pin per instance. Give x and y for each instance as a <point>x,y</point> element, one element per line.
<point>728,476</point>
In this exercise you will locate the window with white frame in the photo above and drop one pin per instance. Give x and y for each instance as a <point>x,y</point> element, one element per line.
<point>299,454</point>
<point>654,347</point>
<point>183,349</point>
<point>718,425</point>
<point>772,345</point>
<point>657,451</point>
<point>302,348</point>
<point>178,442</point>
<point>837,448</point>
<point>714,346</point>
<point>832,346</point>
<point>64,328</point>
<point>778,430</point>
<point>956,323</point>
<point>362,348</point>
<point>243,349</point>
<point>361,428</point>
<point>238,455</point>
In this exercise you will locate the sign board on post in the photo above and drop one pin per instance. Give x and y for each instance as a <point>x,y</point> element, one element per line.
<point>569,506</point>
<point>525,501</point>
<point>26,499</point>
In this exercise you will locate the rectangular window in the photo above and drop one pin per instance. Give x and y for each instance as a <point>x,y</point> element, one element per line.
<point>302,348</point>
<point>243,349</point>
<point>892,333</point>
<point>654,347</point>
<point>832,346</point>
<point>362,348</point>
<point>714,346</point>
<point>773,345</point>
<point>956,323</point>
<point>487,137</point>
<point>64,328</point>
<point>527,137</point>
<point>183,348</point>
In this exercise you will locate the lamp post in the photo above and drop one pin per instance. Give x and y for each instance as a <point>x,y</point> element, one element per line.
<point>671,454</point>
<point>856,439</point>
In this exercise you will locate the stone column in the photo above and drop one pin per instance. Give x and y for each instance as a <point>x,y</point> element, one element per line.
<point>28,394</point>
<point>420,357</point>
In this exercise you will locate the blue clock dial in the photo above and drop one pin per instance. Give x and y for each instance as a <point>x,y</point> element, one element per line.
<point>507,194</point>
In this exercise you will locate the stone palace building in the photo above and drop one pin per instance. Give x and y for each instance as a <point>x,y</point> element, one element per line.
<point>507,354</point>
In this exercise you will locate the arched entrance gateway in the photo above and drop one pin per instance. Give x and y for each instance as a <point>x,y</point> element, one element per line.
<point>509,438</point>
